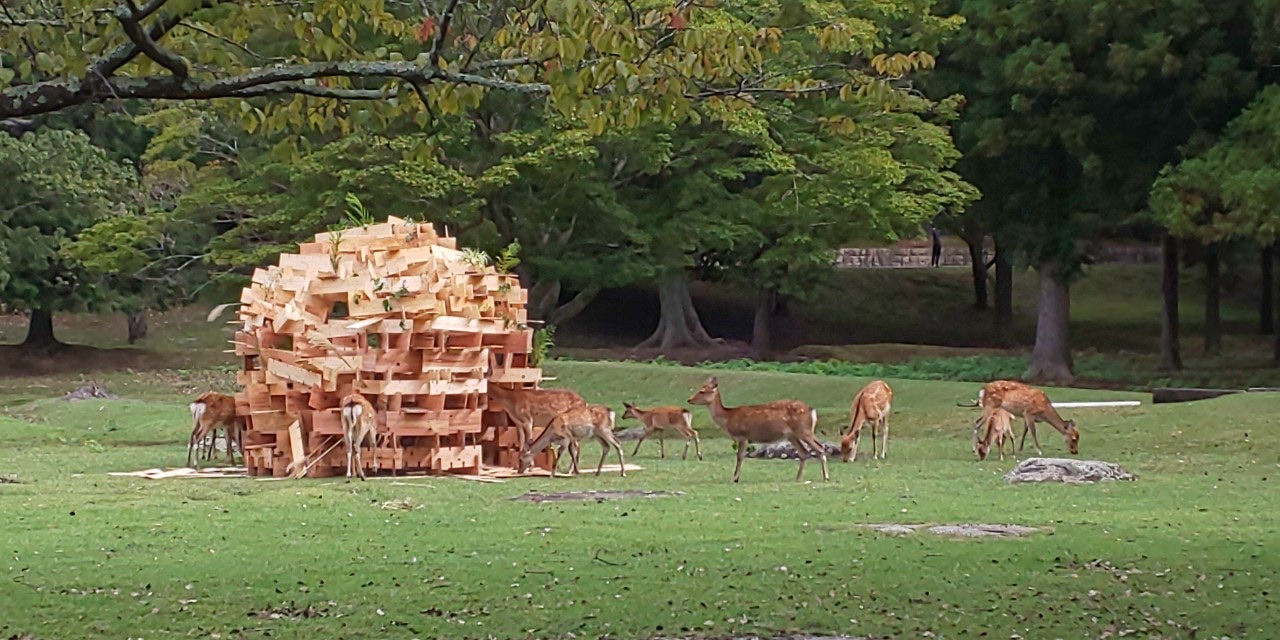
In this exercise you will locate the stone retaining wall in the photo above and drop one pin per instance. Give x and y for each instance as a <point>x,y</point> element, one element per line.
<point>920,257</point>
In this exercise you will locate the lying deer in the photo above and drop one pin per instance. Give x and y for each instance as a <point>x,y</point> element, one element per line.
<point>528,408</point>
<point>873,404</point>
<point>768,422</point>
<point>209,412</point>
<point>659,419</point>
<point>359,425</point>
<point>1032,405</point>
<point>997,427</point>
<point>569,428</point>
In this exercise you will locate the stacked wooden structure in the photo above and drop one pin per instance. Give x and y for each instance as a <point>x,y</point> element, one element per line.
<point>398,313</point>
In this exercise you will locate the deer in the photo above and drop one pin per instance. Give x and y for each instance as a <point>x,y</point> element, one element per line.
<point>569,428</point>
<point>997,427</point>
<point>659,419</point>
<point>768,422</point>
<point>359,425</point>
<point>873,403</point>
<point>529,407</point>
<point>210,411</point>
<point>1032,405</point>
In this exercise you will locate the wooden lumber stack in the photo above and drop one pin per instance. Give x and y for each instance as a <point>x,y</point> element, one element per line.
<point>398,313</point>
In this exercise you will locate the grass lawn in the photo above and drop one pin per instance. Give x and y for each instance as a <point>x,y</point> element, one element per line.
<point>1179,552</point>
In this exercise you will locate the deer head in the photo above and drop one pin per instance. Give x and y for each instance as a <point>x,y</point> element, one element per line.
<point>630,411</point>
<point>846,447</point>
<point>1072,435</point>
<point>707,394</point>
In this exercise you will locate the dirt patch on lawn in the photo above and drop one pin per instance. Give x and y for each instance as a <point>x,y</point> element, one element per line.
<point>15,360</point>
<point>598,496</point>
<point>292,611</point>
<point>955,530</point>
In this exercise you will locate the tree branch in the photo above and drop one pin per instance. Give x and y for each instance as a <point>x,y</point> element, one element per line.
<point>130,18</point>
<point>446,19</point>
<point>54,95</point>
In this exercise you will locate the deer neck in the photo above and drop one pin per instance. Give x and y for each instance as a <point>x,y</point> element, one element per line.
<point>1050,415</point>
<point>541,442</point>
<point>719,412</point>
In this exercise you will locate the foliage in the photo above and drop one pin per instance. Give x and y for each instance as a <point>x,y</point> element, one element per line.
<point>57,184</point>
<point>1087,101</point>
<point>543,340</point>
<point>509,259</point>
<point>1229,191</point>
<point>1172,580</point>
<point>357,215</point>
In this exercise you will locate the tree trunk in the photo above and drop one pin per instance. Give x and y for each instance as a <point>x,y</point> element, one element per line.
<point>1051,358</point>
<point>979,268</point>
<point>544,302</point>
<point>40,332</point>
<point>762,330</point>
<point>1267,306</point>
<point>1212,301</point>
<point>137,326</point>
<point>1170,347</point>
<point>1004,296</point>
<point>679,325</point>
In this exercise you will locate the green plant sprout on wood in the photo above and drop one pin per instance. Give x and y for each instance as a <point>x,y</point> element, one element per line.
<point>357,214</point>
<point>508,259</point>
<point>543,340</point>
<point>475,257</point>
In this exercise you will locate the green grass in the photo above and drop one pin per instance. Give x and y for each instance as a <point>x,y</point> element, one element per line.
<point>93,556</point>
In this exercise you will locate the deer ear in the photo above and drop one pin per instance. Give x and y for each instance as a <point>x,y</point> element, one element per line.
<point>713,382</point>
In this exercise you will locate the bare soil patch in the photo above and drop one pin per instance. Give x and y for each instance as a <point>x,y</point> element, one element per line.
<point>1066,470</point>
<point>598,496</point>
<point>74,358</point>
<point>291,611</point>
<point>955,530</point>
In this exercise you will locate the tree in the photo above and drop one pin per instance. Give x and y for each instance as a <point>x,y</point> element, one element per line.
<point>1073,108</point>
<point>606,63</point>
<point>56,185</point>
<point>1228,191</point>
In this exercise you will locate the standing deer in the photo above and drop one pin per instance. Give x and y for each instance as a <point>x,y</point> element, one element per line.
<point>208,412</point>
<point>528,408</point>
<point>359,425</point>
<point>660,419</point>
<point>873,404</point>
<point>997,427</point>
<point>569,428</point>
<point>768,422</point>
<point>1032,405</point>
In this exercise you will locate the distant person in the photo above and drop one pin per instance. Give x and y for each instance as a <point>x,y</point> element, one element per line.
<point>936,236</point>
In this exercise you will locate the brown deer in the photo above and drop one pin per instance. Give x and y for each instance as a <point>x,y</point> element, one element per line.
<point>997,427</point>
<point>210,411</point>
<point>528,408</point>
<point>768,422</point>
<point>1032,405</point>
<point>569,428</point>
<point>359,425</point>
<point>659,419</point>
<point>873,404</point>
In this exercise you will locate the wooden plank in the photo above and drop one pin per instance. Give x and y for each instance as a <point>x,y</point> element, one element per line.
<point>320,264</point>
<point>299,460</point>
<point>292,373</point>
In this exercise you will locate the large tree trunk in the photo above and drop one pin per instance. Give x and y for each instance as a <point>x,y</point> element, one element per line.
<point>1170,347</point>
<point>1267,306</point>
<point>762,330</point>
<point>1212,301</point>
<point>40,332</point>
<point>1004,296</point>
<point>1051,358</point>
<point>679,325</point>
<point>137,326</point>
<point>978,266</point>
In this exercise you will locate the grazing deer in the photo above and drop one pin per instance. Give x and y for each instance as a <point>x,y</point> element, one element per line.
<point>768,422</point>
<point>359,425</point>
<point>208,412</point>
<point>1032,405</point>
<point>528,408</point>
<point>569,428</point>
<point>660,419</point>
<point>873,404</point>
<point>997,426</point>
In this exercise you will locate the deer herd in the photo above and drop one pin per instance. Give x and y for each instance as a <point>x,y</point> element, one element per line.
<point>567,419</point>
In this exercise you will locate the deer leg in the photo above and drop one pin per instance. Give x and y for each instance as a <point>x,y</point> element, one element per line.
<point>685,455</point>
<point>875,449</point>
<point>662,444</point>
<point>884,423</point>
<point>697,444</point>
<point>1031,426</point>
<point>742,453</point>
<point>802,453</point>
<point>608,440</point>
<point>821,451</point>
<point>647,432</point>
<point>231,458</point>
